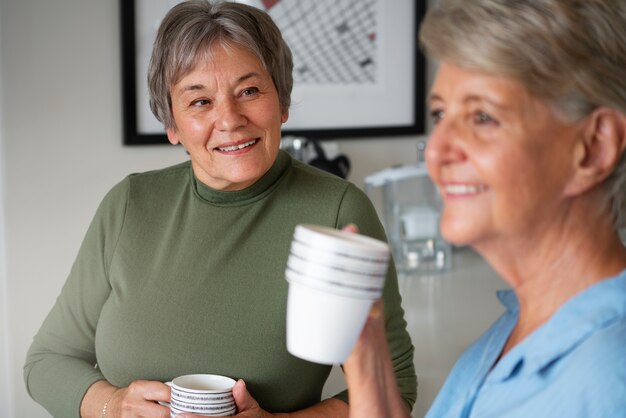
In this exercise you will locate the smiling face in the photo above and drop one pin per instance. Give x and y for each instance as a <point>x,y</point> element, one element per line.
<point>228,118</point>
<point>500,157</point>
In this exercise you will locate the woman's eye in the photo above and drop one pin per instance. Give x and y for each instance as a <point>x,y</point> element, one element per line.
<point>436,115</point>
<point>200,102</point>
<point>249,91</point>
<point>482,118</point>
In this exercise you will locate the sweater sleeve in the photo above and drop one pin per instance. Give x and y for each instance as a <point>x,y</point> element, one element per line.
<point>357,208</point>
<point>61,362</point>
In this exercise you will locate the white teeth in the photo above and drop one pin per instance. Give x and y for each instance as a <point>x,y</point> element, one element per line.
<point>237,147</point>
<point>459,189</point>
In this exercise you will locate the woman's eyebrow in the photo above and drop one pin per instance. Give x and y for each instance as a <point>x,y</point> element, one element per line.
<point>485,99</point>
<point>433,98</point>
<point>192,87</point>
<point>200,86</point>
<point>470,99</point>
<point>251,74</point>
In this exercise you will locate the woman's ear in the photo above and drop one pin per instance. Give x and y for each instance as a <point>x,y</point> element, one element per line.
<point>598,150</point>
<point>171,136</point>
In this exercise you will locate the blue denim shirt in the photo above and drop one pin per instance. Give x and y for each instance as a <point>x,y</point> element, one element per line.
<point>572,366</point>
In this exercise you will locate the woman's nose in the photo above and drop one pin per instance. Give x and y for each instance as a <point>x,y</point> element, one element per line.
<point>445,145</point>
<point>229,116</point>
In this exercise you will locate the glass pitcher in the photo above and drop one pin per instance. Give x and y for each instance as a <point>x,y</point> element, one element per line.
<point>409,206</point>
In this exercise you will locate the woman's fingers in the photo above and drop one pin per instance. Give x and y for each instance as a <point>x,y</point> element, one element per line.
<point>243,399</point>
<point>140,399</point>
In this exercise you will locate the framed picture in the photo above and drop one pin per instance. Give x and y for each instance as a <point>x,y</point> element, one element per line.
<point>358,71</point>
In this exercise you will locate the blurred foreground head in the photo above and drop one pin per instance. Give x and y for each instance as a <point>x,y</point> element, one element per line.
<point>571,53</point>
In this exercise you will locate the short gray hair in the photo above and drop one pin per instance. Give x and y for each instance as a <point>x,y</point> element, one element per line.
<point>189,31</point>
<point>571,53</point>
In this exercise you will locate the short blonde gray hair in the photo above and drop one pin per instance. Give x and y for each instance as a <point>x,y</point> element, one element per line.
<point>571,53</point>
<point>189,31</point>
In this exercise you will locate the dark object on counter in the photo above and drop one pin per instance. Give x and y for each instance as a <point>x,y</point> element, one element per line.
<point>311,152</point>
<point>339,166</point>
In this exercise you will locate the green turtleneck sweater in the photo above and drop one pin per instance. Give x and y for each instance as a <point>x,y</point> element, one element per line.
<point>175,278</point>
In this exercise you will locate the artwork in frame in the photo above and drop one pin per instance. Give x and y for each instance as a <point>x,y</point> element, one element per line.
<point>358,70</point>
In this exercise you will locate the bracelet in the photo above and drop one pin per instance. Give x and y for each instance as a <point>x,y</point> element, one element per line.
<point>106,404</point>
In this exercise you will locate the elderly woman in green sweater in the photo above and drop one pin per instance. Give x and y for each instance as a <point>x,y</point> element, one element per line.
<point>182,269</point>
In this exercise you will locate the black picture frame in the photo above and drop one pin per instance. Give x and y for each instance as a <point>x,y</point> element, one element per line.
<point>408,97</point>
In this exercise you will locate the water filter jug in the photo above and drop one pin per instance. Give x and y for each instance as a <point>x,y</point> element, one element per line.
<point>409,206</point>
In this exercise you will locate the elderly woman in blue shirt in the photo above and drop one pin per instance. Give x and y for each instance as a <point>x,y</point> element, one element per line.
<point>528,152</point>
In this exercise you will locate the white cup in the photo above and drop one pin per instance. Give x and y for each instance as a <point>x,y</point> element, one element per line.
<point>328,258</point>
<point>312,268</point>
<point>343,243</point>
<point>359,291</point>
<point>323,327</point>
<point>330,296</point>
<point>202,394</point>
<point>217,412</point>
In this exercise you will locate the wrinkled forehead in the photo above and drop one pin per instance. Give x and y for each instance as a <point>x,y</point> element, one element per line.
<point>204,53</point>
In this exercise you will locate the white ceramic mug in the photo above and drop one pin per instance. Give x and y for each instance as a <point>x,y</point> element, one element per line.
<point>203,394</point>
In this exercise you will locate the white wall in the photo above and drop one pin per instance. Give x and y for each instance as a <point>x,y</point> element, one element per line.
<point>6,389</point>
<point>62,149</point>
<point>6,400</point>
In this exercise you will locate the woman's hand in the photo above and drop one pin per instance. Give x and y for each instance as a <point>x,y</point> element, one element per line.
<point>372,386</point>
<point>247,406</point>
<point>139,399</point>
<point>369,372</point>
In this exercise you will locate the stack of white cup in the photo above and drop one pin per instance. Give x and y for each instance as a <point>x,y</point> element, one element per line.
<point>202,394</point>
<point>334,277</point>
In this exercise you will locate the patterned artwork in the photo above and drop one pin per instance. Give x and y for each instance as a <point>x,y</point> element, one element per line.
<point>332,41</point>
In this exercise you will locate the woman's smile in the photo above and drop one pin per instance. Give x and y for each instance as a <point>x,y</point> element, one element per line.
<point>463,189</point>
<point>239,147</point>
